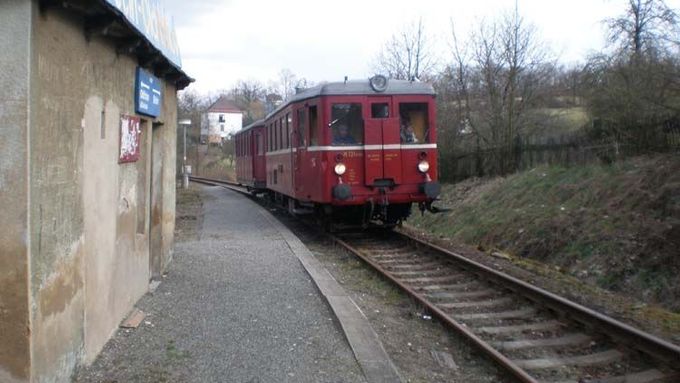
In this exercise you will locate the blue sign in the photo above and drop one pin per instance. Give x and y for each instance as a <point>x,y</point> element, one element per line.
<point>150,19</point>
<point>147,93</point>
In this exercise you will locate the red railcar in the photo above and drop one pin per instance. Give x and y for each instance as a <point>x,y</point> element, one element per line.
<point>249,148</point>
<point>354,151</point>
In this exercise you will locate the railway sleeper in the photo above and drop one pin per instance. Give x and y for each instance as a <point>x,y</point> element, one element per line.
<point>413,266</point>
<point>433,280</point>
<point>646,376</point>
<point>599,358</point>
<point>547,325</point>
<point>438,296</point>
<point>461,286</point>
<point>495,302</point>
<point>420,273</point>
<point>567,340</point>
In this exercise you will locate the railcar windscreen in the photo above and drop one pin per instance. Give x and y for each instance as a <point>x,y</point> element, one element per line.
<point>414,124</point>
<point>347,124</point>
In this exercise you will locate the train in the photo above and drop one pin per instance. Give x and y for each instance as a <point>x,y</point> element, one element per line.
<point>358,152</point>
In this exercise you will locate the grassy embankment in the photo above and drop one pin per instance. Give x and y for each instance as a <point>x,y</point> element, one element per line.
<point>615,227</point>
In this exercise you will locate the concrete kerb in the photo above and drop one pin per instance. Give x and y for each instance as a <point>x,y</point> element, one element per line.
<point>364,341</point>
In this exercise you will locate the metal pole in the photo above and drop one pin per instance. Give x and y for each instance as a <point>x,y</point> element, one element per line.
<point>185,178</point>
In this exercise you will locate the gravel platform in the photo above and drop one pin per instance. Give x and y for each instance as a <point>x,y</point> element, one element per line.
<point>236,306</point>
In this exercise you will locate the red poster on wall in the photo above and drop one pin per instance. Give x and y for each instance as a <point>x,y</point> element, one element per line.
<point>130,133</point>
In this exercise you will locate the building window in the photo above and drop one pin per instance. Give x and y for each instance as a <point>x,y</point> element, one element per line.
<point>222,127</point>
<point>220,118</point>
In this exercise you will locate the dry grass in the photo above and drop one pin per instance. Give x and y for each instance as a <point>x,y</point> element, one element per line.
<point>615,227</point>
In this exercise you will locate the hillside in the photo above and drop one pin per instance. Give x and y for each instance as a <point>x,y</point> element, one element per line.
<point>612,226</point>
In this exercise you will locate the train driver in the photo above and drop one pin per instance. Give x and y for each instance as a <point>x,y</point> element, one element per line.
<point>343,137</point>
<point>408,135</point>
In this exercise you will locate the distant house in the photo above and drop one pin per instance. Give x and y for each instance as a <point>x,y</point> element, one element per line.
<point>220,120</point>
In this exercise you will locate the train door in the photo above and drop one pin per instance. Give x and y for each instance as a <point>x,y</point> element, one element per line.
<point>382,151</point>
<point>300,142</point>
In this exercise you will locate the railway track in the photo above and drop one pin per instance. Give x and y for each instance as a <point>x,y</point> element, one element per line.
<point>535,335</point>
<point>226,184</point>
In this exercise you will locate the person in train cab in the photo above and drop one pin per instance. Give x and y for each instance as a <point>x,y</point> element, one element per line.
<point>408,135</point>
<point>343,137</point>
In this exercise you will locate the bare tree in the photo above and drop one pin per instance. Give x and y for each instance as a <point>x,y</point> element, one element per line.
<point>249,97</point>
<point>408,54</point>
<point>633,90</point>
<point>287,83</point>
<point>646,26</point>
<point>499,79</point>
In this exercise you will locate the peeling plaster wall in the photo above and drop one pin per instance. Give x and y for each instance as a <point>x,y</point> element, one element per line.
<point>15,37</point>
<point>168,141</point>
<point>90,215</point>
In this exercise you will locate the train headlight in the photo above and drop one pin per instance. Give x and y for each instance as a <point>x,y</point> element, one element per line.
<point>423,166</point>
<point>378,83</point>
<point>340,169</point>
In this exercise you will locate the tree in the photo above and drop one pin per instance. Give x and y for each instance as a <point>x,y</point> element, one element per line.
<point>645,27</point>
<point>499,79</point>
<point>632,90</point>
<point>191,105</point>
<point>249,97</point>
<point>407,55</point>
<point>287,83</point>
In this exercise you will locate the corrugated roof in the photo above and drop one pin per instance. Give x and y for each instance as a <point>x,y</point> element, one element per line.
<point>107,18</point>
<point>223,105</point>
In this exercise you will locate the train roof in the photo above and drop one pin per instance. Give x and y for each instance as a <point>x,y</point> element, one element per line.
<point>351,88</point>
<point>251,125</point>
<point>358,87</point>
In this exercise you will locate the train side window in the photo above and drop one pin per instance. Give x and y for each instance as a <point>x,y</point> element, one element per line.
<point>271,137</point>
<point>347,124</point>
<point>380,110</point>
<point>284,144</point>
<point>414,125</point>
<point>313,126</point>
<point>288,126</point>
<point>301,127</point>
<point>259,144</point>
<point>287,132</point>
<point>279,138</point>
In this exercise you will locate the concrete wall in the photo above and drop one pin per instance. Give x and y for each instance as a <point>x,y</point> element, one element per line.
<point>88,235</point>
<point>15,37</point>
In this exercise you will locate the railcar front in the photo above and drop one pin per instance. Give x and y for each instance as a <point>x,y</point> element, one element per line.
<point>365,152</point>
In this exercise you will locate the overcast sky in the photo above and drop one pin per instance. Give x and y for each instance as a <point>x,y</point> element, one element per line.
<point>222,41</point>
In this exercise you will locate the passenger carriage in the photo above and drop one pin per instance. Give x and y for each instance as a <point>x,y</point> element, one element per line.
<point>249,144</point>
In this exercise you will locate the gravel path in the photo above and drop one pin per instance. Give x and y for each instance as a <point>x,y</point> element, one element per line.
<point>236,306</point>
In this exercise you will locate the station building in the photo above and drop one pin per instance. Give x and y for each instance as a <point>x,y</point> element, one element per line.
<point>88,113</point>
